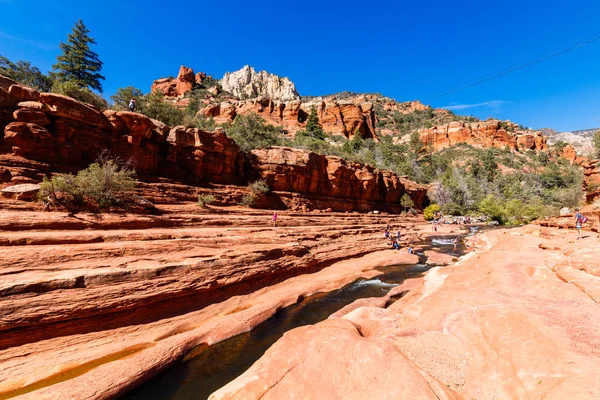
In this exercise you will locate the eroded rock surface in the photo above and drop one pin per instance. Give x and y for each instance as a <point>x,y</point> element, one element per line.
<point>45,133</point>
<point>499,324</point>
<point>246,83</point>
<point>483,133</point>
<point>91,306</point>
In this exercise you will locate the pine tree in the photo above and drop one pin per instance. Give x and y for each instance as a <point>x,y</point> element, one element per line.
<point>78,63</point>
<point>313,127</point>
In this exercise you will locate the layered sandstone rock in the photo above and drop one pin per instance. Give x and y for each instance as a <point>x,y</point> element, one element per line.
<point>343,118</point>
<point>61,134</point>
<point>485,133</point>
<point>501,324</point>
<point>592,179</point>
<point>210,156</point>
<point>99,304</point>
<point>184,83</point>
<point>332,180</point>
<point>246,83</point>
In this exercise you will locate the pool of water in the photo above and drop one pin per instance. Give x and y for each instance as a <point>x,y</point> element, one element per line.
<point>213,367</point>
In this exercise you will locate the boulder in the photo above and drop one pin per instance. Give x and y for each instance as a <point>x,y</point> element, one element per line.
<point>23,93</point>
<point>166,86</point>
<point>26,191</point>
<point>132,123</point>
<point>200,77</point>
<point>31,115</point>
<point>67,107</point>
<point>565,211</point>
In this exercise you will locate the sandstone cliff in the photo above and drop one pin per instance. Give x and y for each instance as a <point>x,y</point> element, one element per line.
<point>246,83</point>
<point>592,179</point>
<point>346,114</point>
<point>484,133</point>
<point>45,133</point>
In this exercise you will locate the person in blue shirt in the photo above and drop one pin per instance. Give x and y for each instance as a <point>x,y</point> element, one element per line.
<point>579,219</point>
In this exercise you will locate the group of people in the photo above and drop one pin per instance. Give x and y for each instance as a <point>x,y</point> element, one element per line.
<point>394,240</point>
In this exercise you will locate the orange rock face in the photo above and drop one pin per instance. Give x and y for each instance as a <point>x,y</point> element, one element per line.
<point>337,118</point>
<point>67,135</point>
<point>332,181</point>
<point>499,324</point>
<point>179,86</point>
<point>485,133</point>
<point>592,179</point>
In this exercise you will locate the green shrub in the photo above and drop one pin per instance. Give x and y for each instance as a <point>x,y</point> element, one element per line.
<point>205,199</point>
<point>72,89</point>
<point>252,132</point>
<point>430,210</point>
<point>259,187</point>
<point>406,202</point>
<point>103,184</point>
<point>122,97</point>
<point>155,106</point>
<point>248,200</point>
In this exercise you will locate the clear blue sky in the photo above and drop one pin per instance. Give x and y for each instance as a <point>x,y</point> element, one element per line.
<point>405,50</point>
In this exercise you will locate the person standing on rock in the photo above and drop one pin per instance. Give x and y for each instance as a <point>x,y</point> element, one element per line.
<point>579,220</point>
<point>132,105</point>
<point>275,219</point>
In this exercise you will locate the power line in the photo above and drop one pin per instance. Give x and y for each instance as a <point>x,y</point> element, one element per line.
<point>517,63</point>
<point>518,66</point>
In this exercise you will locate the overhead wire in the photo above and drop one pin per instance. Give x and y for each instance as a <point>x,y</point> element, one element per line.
<point>519,65</point>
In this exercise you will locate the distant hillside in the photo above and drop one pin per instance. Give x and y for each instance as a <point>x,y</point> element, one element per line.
<point>580,140</point>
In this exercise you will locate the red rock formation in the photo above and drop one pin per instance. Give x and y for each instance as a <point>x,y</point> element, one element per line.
<point>484,133</point>
<point>592,179</point>
<point>337,118</point>
<point>67,135</point>
<point>184,83</point>
<point>331,180</point>
<point>502,324</point>
<point>200,77</point>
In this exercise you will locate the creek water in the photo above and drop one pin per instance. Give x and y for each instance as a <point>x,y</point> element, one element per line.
<point>210,369</point>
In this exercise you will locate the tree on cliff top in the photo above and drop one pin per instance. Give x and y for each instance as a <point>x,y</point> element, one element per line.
<point>78,63</point>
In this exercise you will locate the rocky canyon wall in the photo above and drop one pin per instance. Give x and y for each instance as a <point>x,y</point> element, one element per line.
<point>45,132</point>
<point>484,133</point>
<point>276,100</point>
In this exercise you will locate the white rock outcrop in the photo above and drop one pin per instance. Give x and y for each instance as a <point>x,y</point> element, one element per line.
<point>246,83</point>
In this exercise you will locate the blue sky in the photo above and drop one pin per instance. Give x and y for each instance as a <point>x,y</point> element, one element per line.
<point>405,50</point>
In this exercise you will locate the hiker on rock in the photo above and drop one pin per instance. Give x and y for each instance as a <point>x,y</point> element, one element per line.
<point>580,219</point>
<point>386,232</point>
<point>132,103</point>
<point>275,219</point>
